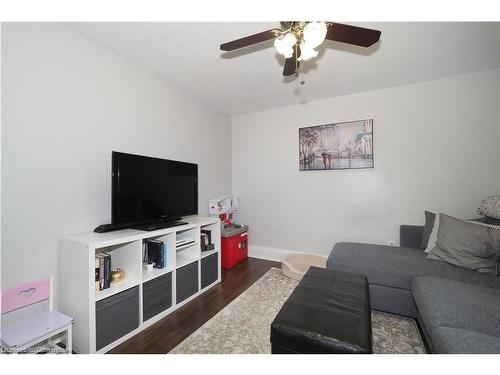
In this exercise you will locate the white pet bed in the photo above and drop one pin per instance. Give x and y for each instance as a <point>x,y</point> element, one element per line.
<point>296,265</point>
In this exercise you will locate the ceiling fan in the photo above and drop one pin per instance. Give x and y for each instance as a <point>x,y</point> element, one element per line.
<point>297,40</point>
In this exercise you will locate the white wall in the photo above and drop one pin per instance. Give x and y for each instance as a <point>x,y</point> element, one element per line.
<point>436,147</point>
<point>67,102</point>
<point>0,170</point>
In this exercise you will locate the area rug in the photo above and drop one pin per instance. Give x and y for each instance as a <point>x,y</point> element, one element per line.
<point>243,326</point>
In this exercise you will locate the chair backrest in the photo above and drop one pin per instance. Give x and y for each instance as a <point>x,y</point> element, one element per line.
<point>27,294</point>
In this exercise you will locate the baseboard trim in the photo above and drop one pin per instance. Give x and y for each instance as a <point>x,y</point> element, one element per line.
<point>268,253</point>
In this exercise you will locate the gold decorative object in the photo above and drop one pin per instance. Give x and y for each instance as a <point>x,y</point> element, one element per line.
<point>117,275</point>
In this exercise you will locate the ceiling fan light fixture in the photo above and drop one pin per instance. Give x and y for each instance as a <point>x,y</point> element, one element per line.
<point>306,52</point>
<point>284,44</point>
<point>306,36</point>
<point>315,33</point>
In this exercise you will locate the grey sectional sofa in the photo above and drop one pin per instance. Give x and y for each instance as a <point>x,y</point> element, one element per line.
<point>458,309</point>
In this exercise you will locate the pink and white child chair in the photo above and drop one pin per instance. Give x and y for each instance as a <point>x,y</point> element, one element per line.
<point>37,327</point>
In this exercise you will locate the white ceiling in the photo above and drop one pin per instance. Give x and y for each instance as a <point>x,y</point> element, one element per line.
<point>188,56</point>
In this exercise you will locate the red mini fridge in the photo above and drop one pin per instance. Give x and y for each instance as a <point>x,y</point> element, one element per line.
<point>234,250</point>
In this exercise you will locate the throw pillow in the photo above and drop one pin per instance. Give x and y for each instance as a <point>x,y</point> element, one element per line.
<point>467,245</point>
<point>433,236</point>
<point>491,226</point>
<point>430,218</point>
<point>490,206</point>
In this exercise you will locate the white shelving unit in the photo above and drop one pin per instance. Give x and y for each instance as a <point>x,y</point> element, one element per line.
<point>79,298</point>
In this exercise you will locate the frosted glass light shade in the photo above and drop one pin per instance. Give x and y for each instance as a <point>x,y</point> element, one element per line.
<point>315,33</point>
<point>284,44</point>
<point>306,52</point>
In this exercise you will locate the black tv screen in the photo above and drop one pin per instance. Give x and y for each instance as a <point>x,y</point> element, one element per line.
<point>148,189</point>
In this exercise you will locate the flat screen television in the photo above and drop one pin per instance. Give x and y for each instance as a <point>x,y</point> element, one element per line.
<point>146,189</point>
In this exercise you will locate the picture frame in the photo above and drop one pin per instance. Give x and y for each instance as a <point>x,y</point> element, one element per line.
<point>337,146</point>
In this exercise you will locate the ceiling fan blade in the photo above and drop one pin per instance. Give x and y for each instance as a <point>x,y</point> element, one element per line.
<point>291,63</point>
<point>358,36</point>
<point>248,40</point>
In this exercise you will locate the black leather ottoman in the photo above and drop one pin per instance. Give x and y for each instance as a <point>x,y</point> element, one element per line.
<point>328,312</point>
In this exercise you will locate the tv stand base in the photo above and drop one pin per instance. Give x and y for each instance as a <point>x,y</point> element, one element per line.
<point>154,226</point>
<point>148,227</point>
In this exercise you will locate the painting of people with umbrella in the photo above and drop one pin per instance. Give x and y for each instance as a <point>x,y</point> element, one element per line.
<point>343,145</point>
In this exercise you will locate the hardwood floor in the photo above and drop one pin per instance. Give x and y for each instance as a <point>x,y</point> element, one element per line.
<point>167,333</point>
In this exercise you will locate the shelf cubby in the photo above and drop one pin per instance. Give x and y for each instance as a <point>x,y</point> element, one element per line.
<point>192,233</point>
<point>215,237</point>
<point>124,256</point>
<point>190,252</point>
<point>186,246</point>
<point>169,240</point>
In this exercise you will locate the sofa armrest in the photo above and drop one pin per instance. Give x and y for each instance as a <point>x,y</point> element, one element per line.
<point>411,236</point>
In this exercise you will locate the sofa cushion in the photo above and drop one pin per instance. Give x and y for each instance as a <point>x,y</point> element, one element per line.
<point>448,340</point>
<point>466,244</point>
<point>382,265</point>
<point>392,300</point>
<point>395,267</point>
<point>448,303</point>
<point>430,218</point>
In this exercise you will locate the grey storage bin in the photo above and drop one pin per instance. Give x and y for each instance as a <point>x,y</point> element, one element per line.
<point>209,270</point>
<point>156,296</point>
<point>116,316</point>
<point>186,281</point>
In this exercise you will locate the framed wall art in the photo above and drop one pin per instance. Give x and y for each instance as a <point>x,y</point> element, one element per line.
<point>342,145</point>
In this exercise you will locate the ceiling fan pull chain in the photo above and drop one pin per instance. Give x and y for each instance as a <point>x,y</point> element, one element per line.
<point>297,62</point>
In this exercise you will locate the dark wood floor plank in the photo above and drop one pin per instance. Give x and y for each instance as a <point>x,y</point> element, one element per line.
<point>170,331</point>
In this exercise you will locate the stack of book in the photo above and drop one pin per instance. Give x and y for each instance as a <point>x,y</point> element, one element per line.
<point>206,240</point>
<point>102,271</point>
<point>155,252</point>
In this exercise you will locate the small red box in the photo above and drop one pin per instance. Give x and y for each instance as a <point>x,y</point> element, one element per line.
<point>234,250</point>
